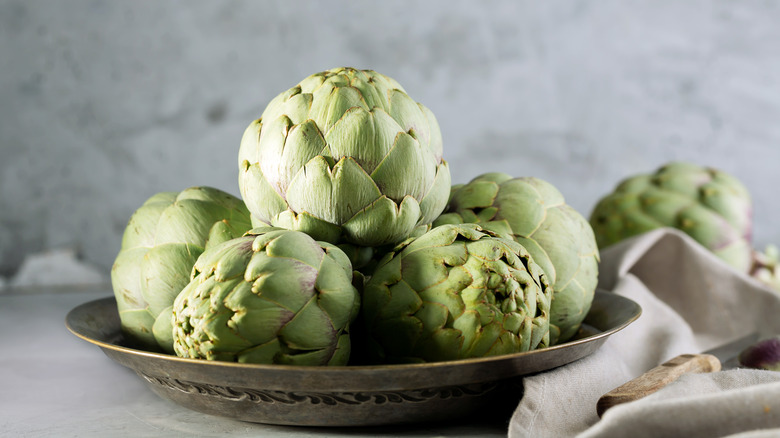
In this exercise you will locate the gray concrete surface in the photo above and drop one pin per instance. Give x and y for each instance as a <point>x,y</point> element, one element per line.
<point>103,104</point>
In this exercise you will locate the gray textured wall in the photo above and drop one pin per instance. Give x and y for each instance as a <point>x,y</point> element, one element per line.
<point>103,104</point>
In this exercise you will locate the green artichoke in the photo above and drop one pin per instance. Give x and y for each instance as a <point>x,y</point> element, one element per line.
<point>345,156</point>
<point>559,239</point>
<point>162,240</point>
<point>455,292</point>
<point>711,206</point>
<point>273,296</point>
<point>766,267</point>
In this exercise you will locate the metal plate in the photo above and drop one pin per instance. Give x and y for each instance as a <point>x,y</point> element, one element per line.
<point>348,395</point>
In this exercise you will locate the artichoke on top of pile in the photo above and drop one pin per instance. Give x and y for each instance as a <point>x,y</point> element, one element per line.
<point>559,239</point>
<point>272,296</point>
<point>711,206</point>
<point>345,156</point>
<point>455,292</point>
<point>160,244</point>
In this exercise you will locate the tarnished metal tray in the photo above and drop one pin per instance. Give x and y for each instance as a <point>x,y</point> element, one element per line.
<point>348,395</point>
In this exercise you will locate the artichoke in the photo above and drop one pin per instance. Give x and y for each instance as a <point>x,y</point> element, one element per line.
<point>455,292</point>
<point>559,239</point>
<point>273,296</point>
<point>766,267</point>
<point>345,156</point>
<point>162,240</point>
<point>711,206</point>
<point>762,355</point>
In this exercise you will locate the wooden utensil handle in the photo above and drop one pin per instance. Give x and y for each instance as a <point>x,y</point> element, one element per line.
<point>657,378</point>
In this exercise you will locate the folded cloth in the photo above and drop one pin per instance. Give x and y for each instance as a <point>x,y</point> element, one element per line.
<point>691,301</point>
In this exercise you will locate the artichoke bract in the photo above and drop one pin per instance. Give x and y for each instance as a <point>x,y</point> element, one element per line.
<point>455,292</point>
<point>345,156</point>
<point>273,296</point>
<point>709,205</point>
<point>534,213</point>
<point>160,244</point>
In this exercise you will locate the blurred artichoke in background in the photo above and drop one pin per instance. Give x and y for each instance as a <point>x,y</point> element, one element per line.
<point>762,355</point>
<point>455,292</point>
<point>162,240</point>
<point>273,296</point>
<point>709,205</point>
<point>559,239</point>
<point>345,156</point>
<point>766,267</point>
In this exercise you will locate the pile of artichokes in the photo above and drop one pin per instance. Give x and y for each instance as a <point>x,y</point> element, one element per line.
<point>351,246</point>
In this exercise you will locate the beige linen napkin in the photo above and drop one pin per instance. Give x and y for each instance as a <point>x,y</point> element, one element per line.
<point>691,301</point>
